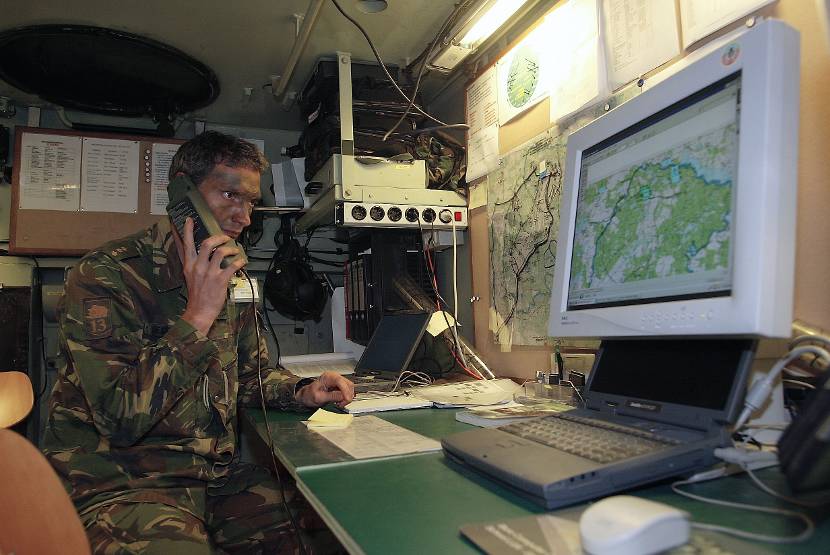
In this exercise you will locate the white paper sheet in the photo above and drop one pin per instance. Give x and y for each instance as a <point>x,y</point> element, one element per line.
<point>109,175</point>
<point>50,172</point>
<point>571,39</point>
<point>161,157</point>
<point>483,119</point>
<point>371,437</point>
<point>699,18</point>
<point>470,393</point>
<point>639,35</point>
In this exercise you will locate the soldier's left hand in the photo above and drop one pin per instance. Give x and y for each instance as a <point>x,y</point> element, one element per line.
<point>330,387</point>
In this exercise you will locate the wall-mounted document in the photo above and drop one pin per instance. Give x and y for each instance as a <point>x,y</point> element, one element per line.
<point>699,18</point>
<point>523,76</point>
<point>162,156</point>
<point>639,35</point>
<point>483,119</point>
<point>109,177</point>
<point>572,47</point>
<point>50,172</point>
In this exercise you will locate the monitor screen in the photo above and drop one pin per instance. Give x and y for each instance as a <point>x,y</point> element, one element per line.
<point>678,206</point>
<point>392,344</point>
<point>655,205</point>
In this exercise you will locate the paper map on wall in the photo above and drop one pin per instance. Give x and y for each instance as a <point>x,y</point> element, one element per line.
<point>523,208</point>
<point>523,197</point>
<point>523,77</point>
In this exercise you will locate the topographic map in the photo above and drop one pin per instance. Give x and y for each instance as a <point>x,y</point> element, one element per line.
<point>523,197</point>
<point>667,215</point>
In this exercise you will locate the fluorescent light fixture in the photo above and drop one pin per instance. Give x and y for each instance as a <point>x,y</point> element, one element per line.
<point>480,21</point>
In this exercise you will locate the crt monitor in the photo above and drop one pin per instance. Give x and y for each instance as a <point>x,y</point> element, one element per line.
<point>678,211</point>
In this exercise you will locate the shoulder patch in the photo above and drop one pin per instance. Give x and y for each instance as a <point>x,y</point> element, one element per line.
<point>124,251</point>
<point>98,317</point>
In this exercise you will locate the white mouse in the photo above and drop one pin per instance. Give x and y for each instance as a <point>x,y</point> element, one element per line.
<point>627,525</point>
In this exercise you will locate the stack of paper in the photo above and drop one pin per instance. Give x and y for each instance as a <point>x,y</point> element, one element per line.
<point>500,415</point>
<point>472,393</point>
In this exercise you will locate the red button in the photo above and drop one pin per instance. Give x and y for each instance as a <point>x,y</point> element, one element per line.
<point>458,216</point>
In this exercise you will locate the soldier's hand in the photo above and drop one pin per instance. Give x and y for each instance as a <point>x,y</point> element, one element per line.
<point>330,387</point>
<point>207,281</point>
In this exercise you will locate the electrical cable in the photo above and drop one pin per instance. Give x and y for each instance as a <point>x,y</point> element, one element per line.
<point>810,338</point>
<point>432,46</point>
<point>38,284</point>
<point>799,382</point>
<point>761,389</point>
<point>434,282</point>
<point>265,418</point>
<point>380,61</point>
<point>578,394</point>
<point>809,526</point>
<point>766,489</point>
<point>455,293</point>
<point>278,364</point>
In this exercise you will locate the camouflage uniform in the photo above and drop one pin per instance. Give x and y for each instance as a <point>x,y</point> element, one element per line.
<point>143,418</point>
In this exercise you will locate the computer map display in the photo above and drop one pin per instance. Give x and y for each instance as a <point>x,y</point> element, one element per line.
<point>642,223</point>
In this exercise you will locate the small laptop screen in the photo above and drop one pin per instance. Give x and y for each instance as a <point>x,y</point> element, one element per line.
<point>392,344</point>
<point>701,377</point>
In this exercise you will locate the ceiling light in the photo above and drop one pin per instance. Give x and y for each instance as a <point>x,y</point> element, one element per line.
<point>371,6</point>
<point>478,23</point>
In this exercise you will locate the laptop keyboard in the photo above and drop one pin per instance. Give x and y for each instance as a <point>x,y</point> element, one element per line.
<point>364,384</point>
<point>601,442</point>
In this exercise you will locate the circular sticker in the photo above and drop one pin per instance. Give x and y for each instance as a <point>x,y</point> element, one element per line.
<point>731,54</point>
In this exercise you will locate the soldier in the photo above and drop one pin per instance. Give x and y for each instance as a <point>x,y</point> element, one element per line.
<point>143,418</point>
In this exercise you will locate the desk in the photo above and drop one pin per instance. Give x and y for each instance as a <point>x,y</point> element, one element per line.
<point>416,504</point>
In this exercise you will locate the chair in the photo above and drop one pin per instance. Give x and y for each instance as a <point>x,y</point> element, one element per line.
<point>16,398</point>
<point>36,514</point>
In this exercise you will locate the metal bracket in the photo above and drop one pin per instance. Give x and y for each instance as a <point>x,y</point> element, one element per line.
<point>344,77</point>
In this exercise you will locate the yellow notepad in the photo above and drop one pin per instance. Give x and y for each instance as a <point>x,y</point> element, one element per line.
<point>325,419</point>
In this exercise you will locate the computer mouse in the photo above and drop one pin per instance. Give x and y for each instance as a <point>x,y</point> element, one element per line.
<point>627,525</point>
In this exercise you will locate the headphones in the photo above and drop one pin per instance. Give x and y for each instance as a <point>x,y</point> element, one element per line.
<point>292,287</point>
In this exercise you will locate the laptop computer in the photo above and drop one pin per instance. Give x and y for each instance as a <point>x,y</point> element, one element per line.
<point>653,409</point>
<point>389,352</point>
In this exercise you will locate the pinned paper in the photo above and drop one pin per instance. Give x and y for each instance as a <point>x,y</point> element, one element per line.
<point>325,419</point>
<point>439,322</point>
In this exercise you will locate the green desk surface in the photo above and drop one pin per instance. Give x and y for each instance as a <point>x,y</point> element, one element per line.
<point>297,447</point>
<point>416,504</point>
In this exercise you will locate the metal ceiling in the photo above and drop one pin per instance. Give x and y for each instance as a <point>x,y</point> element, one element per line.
<point>245,42</point>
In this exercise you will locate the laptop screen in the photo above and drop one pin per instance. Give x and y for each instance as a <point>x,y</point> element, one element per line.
<point>392,344</point>
<point>703,376</point>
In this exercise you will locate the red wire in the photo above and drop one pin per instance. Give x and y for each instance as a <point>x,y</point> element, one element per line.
<point>438,304</point>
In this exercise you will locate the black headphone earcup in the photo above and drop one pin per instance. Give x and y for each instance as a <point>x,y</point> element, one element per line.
<point>294,291</point>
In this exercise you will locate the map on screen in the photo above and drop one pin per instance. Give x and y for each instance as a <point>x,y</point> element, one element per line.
<point>655,208</point>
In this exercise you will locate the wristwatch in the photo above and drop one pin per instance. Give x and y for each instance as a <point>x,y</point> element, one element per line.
<point>302,383</point>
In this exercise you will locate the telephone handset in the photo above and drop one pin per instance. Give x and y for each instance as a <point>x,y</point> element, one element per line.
<point>186,201</point>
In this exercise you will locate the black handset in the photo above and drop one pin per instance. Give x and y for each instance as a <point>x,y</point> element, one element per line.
<point>186,201</point>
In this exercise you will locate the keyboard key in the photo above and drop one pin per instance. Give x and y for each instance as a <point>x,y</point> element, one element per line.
<point>602,442</point>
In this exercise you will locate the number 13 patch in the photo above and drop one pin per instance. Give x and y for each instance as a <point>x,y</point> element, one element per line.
<point>98,317</point>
